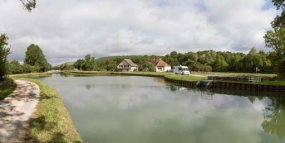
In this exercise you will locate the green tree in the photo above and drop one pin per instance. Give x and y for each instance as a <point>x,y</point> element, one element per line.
<point>275,39</point>
<point>148,66</point>
<point>79,64</point>
<point>15,67</point>
<point>27,68</point>
<point>220,64</point>
<point>36,58</point>
<point>4,52</point>
<point>253,60</point>
<point>111,65</point>
<point>89,63</point>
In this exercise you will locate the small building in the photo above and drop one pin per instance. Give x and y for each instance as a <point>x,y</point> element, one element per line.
<point>161,66</point>
<point>127,65</point>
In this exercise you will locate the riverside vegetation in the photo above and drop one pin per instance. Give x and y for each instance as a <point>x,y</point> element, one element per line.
<point>51,122</point>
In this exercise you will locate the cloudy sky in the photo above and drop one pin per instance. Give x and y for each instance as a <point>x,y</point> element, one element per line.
<point>69,29</point>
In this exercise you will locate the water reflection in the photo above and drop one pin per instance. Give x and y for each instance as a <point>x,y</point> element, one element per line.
<point>89,86</point>
<point>147,110</point>
<point>274,122</point>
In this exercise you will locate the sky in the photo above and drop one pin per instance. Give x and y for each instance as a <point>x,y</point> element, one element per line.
<point>67,30</point>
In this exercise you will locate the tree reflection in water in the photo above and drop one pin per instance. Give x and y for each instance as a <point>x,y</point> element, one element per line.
<point>274,121</point>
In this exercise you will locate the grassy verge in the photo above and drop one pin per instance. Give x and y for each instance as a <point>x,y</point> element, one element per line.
<point>231,74</point>
<point>185,78</point>
<point>188,78</point>
<point>7,87</point>
<point>30,75</point>
<point>51,122</point>
<point>275,83</point>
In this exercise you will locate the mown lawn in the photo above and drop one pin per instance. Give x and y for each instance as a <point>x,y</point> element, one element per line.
<point>51,122</point>
<point>185,77</point>
<point>190,78</point>
<point>276,83</point>
<point>8,87</point>
<point>231,74</point>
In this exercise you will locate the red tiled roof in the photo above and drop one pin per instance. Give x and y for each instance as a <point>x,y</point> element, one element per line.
<point>159,63</point>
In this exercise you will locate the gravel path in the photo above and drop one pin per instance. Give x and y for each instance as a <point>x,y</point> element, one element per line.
<point>16,110</point>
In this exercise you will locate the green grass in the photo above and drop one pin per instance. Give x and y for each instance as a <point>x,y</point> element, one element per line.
<point>7,88</point>
<point>231,74</point>
<point>51,122</point>
<point>185,77</point>
<point>188,78</point>
<point>275,83</point>
<point>30,75</point>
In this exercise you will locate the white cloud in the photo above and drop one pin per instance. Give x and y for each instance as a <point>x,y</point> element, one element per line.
<point>69,29</point>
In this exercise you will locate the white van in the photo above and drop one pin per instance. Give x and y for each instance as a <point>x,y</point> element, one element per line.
<point>181,70</point>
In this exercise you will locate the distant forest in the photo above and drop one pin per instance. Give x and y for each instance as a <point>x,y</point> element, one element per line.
<point>204,61</point>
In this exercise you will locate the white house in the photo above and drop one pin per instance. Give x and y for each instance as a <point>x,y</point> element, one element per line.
<point>161,66</point>
<point>127,65</point>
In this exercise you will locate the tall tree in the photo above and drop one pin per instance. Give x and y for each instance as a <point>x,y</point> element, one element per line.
<point>35,57</point>
<point>4,52</point>
<point>89,63</point>
<point>275,39</point>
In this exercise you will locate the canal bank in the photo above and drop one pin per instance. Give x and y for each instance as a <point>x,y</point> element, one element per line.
<point>50,122</point>
<point>194,82</point>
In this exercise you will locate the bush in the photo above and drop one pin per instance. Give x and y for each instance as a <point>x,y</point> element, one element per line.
<point>4,52</point>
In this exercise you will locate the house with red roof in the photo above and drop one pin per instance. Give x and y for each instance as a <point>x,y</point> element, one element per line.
<point>161,66</point>
<point>127,65</point>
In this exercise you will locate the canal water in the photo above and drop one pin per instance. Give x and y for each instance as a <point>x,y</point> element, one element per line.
<point>134,109</point>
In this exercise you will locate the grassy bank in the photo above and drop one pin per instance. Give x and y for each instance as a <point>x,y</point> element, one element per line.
<point>187,78</point>
<point>51,122</point>
<point>6,88</point>
<point>231,74</point>
<point>156,74</point>
<point>30,75</point>
<point>275,83</point>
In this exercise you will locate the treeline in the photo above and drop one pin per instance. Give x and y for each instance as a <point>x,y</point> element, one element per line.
<point>107,63</point>
<point>35,61</point>
<point>208,61</point>
<point>203,61</point>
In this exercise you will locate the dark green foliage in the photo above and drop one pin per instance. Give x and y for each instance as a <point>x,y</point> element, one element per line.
<point>79,64</point>
<point>36,59</point>
<point>103,63</point>
<point>281,67</point>
<point>207,61</point>
<point>7,87</point>
<point>29,4</point>
<point>111,65</point>
<point>4,52</point>
<point>204,61</point>
<point>148,66</point>
<point>275,39</point>
<point>66,66</point>
<point>15,67</point>
<point>89,63</point>
<point>279,21</point>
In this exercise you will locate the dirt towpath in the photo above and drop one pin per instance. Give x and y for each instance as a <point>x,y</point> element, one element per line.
<point>16,110</point>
